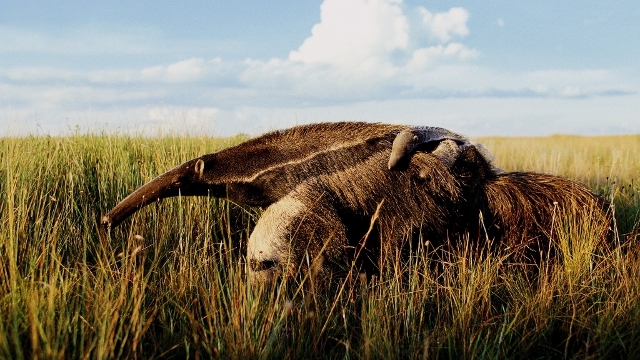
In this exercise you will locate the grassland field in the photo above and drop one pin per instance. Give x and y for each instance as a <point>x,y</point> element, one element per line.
<point>170,282</point>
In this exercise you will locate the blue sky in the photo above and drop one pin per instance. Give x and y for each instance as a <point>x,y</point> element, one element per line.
<point>219,68</point>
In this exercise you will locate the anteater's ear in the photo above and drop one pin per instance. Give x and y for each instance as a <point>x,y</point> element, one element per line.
<point>199,168</point>
<point>442,143</point>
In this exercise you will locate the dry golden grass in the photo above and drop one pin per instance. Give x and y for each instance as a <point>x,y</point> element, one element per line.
<point>171,282</point>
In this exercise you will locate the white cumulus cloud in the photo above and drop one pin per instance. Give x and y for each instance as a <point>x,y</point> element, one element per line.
<point>444,26</point>
<point>355,31</point>
<point>375,37</point>
<point>362,47</point>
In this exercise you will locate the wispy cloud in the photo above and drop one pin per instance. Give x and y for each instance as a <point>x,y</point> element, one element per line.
<point>79,41</point>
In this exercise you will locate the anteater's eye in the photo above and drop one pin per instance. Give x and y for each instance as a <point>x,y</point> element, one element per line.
<point>177,184</point>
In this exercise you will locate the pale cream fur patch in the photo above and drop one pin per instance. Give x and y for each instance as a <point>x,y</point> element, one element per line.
<point>270,239</point>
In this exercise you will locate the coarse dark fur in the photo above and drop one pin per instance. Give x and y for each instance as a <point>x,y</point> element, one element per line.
<point>430,201</point>
<point>331,194</point>
<point>524,209</point>
<point>260,171</point>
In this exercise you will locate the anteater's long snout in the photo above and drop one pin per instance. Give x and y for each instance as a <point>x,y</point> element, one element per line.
<point>184,180</point>
<point>163,186</point>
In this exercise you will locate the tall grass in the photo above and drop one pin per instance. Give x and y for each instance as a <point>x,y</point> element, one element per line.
<point>171,282</point>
